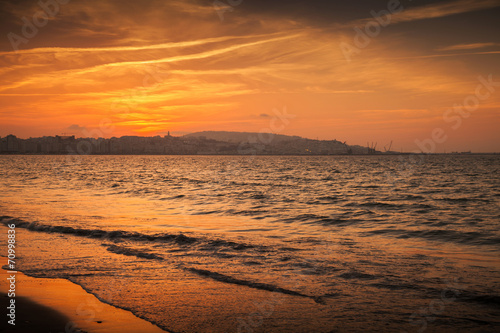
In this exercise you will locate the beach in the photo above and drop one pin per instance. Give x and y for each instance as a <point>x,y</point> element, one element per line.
<point>57,305</point>
<point>261,244</point>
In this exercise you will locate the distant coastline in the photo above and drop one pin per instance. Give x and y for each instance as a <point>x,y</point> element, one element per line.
<point>201,143</point>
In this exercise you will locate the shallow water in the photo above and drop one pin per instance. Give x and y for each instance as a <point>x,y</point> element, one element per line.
<point>259,244</point>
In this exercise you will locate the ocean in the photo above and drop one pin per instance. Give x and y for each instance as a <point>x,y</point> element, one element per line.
<point>267,243</point>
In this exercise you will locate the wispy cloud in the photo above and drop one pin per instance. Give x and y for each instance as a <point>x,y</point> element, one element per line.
<point>447,55</point>
<point>472,46</point>
<point>438,10</point>
<point>444,9</point>
<point>63,50</point>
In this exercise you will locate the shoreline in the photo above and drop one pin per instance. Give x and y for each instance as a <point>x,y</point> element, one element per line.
<point>59,305</point>
<point>256,154</point>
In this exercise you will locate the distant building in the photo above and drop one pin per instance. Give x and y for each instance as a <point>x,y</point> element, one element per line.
<point>12,144</point>
<point>241,144</point>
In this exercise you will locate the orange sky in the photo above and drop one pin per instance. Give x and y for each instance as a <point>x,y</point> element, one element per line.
<point>113,68</point>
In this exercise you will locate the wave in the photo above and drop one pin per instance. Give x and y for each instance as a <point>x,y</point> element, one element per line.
<point>464,200</point>
<point>472,297</point>
<point>393,286</point>
<point>357,276</point>
<point>470,237</point>
<point>133,252</point>
<point>339,221</point>
<point>345,219</point>
<point>174,197</point>
<point>178,239</point>
<point>304,217</point>
<point>329,198</point>
<point>389,205</point>
<point>246,212</point>
<point>252,284</point>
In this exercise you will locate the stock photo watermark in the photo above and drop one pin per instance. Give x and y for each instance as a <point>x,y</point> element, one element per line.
<point>279,121</point>
<point>31,26</point>
<point>89,309</point>
<point>223,6</point>
<point>11,279</point>
<point>436,307</point>
<point>453,116</point>
<point>294,279</point>
<point>371,29</point>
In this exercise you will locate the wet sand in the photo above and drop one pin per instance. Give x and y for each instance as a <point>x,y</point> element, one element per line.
<point>57,305</point>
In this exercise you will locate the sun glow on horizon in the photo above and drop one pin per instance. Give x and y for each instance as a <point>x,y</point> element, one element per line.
<point>153,71</point>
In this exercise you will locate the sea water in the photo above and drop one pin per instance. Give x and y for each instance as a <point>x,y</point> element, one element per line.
<point>267,243</point>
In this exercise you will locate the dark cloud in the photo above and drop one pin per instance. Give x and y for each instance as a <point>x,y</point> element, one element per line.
<point>322,11</point>
<point>113,22</point>
<point>76,127</point>
<point>175,133</point>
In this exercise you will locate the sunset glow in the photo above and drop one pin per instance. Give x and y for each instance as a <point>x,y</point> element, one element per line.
<point>113,68</point>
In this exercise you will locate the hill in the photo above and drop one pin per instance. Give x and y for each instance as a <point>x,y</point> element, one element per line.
<point>269,143</point>
<point>239,137</point>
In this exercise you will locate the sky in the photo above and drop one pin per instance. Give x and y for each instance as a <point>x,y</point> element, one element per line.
<point>424,75</point>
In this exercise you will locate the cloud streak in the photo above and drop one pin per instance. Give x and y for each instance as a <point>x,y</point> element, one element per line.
<point>444,9</point>
<point>434,11</point>
<point>63,50</point>
<point>472,46</point>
